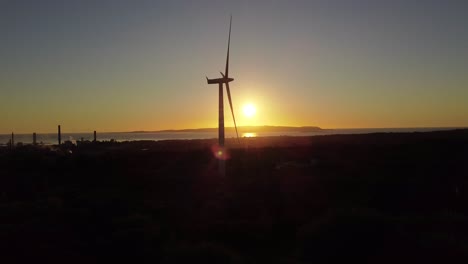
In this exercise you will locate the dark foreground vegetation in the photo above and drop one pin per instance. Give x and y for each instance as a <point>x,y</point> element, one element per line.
<point>375,198</point>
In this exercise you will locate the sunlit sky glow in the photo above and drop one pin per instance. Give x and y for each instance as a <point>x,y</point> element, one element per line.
<point>115,65</point>
<point>249,110</point>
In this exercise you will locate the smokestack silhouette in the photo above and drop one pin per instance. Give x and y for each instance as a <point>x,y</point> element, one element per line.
<point>34,139</point>
<point>59,136</point>
<point>94,136</point>
<point>11,142</point>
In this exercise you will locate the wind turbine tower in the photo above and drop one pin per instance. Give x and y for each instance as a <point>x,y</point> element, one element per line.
<point>225,80</point>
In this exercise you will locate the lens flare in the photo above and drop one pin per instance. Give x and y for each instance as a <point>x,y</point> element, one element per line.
<point>220,153</point>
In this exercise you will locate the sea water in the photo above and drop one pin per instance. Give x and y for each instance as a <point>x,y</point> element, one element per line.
<point>51,138</point>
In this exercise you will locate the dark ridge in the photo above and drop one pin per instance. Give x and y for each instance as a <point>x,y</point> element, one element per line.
<point>252,129</point>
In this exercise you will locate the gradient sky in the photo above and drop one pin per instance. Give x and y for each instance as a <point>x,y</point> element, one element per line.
<point>113,65</point>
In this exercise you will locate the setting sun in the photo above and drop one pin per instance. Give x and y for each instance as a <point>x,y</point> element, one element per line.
<point>249,110</point>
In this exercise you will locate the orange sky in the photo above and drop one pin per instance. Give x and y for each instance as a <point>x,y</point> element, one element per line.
<point>133,66</point>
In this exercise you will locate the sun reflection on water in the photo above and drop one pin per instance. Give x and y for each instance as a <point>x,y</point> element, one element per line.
<point>249,134</point>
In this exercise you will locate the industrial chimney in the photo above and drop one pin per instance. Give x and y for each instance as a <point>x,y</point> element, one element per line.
<point>59,136</point>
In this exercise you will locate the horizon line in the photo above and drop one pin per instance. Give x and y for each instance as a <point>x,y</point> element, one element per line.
<point>200,128</point>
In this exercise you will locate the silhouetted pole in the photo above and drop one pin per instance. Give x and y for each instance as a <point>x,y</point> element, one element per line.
<point>34,139</point>
<point>12,140</point>
<point>94,136</point>
<point>59,136</point>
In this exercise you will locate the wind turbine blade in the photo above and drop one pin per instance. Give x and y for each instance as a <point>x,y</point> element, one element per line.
<point>232,110</point>
<point>229,43</point>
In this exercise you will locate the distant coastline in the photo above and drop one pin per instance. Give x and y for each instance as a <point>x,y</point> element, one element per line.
<point>208,133</point>
<point>252,129</point>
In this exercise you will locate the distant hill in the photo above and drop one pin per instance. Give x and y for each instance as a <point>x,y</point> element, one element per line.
<point>252,129</point>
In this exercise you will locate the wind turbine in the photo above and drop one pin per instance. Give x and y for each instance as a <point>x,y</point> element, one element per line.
<point>220,81</point>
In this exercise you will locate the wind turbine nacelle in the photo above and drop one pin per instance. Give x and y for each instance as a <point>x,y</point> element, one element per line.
<point>219,80</point>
